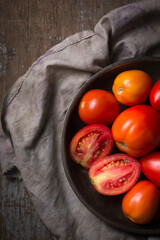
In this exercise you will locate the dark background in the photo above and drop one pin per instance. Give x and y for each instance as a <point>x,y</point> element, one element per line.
<point>28,28</point>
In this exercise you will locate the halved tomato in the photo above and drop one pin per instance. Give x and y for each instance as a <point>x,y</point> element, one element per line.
<point>90,143</point>
<point>114,174</point>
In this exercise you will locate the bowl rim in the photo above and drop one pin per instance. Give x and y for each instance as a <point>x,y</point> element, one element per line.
<point>63,144</point>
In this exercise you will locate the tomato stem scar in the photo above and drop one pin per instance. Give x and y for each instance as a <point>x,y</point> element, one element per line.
<point>120,90</point>
<point>83,105</point>
<point>122,145</point>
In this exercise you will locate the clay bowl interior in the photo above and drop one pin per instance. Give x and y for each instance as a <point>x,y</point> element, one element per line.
<point>107,208</point>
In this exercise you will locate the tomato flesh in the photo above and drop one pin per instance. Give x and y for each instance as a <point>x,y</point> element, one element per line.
<point>141,202</point>
<point>150,165</point>
<point>114,174</point>
<point>90,143</point>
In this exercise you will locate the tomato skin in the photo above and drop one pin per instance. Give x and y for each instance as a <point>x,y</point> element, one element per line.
<point>141,202</point>
<point>154,96</point>
<point>114,174</point>
<point>136,130</point>
<point>90,143</point>
<point>150,164</point>
<point>98,106</point>
<point>132,87</point>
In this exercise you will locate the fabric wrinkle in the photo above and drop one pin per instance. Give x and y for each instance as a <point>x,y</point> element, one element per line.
<point>35,107</point>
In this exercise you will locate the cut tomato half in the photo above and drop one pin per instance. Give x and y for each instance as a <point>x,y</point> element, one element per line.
<point>114,174</point>
<point>90,143</point>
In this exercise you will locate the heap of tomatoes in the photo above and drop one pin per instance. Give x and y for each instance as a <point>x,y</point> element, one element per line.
<point>136,133</point>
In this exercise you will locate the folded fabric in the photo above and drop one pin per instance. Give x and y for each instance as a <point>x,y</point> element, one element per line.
<point>34,110</point>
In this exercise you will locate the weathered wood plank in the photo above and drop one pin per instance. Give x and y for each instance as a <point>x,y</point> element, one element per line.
<point>27,29</point>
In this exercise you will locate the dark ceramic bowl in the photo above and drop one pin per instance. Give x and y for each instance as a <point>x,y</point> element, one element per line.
<point>107,208</point>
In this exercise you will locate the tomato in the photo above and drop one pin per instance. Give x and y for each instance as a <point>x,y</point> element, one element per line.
<point>90,143</point>
<point>150,164</point>
<point>136,130</point>
<point>114,174</point>
<point>141,202</point>
<point>132,87</point>
<point>98,106</point>
<point>154,96</point>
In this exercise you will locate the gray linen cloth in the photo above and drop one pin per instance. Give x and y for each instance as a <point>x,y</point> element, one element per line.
<point>34,109</point>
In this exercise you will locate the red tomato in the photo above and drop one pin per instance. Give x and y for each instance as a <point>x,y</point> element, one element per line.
<point>114,174</point>
<point>90,143</point>
<point>150,164</point>
<point>132,87</point>
<point>136,130</point>
<point>154,96</point>
<point>141,202</point>
<point>98,106</point>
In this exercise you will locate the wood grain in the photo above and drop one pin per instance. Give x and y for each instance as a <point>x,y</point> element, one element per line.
<point>27,29</point>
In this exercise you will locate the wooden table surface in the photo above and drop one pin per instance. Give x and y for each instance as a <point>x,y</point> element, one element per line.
<point>27,29</point>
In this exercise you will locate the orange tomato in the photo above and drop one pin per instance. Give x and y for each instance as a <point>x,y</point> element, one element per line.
<point>132,87</point>
<point>141,202</point>
<point>136,130</point>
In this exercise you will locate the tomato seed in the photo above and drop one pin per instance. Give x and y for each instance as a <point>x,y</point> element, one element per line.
<point>117,163</point>
<point>122,163</point>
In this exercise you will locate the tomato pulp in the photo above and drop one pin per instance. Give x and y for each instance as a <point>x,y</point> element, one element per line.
<point>114,174</point>
<point>136,130</point>
<point>90,143</point>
